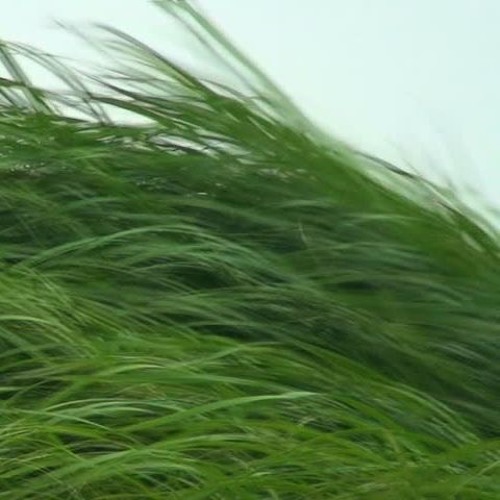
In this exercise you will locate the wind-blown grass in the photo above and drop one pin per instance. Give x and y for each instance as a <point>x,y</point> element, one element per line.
<point>217,301</point>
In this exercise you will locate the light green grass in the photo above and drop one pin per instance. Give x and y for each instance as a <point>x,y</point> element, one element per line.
<point>218,301</point>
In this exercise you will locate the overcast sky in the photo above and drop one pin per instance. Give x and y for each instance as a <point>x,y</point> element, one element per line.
<point>411,80</point>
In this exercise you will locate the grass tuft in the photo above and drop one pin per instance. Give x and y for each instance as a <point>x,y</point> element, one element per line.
<point>215,300</point>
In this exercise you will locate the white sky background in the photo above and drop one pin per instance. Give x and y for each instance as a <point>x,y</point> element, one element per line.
<point>414,81</point>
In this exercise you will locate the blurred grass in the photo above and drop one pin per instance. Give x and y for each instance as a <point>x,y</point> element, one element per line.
<point>215,300</point>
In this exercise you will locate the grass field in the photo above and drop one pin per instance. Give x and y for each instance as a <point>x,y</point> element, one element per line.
<point>215,300</point>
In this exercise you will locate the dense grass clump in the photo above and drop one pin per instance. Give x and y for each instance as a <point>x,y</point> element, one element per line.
<point>214,300</point>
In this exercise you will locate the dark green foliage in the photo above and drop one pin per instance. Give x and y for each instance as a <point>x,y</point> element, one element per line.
<point>216,301</point>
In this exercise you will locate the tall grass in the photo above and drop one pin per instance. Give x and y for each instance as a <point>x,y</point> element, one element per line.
<point>215,300</point>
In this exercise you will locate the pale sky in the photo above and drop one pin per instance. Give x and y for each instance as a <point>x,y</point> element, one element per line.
<point>414,81</point>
